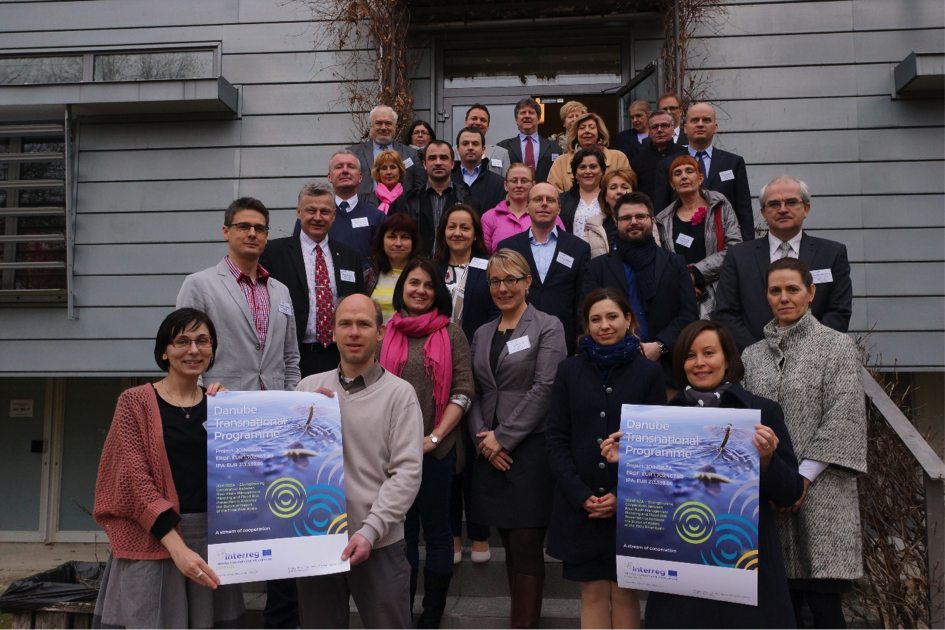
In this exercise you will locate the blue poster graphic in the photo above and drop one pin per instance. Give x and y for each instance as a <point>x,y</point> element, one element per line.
<point>687,502</point>
<point>275,485</point>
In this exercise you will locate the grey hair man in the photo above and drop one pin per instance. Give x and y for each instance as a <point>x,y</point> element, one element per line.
<point>741,302</point>
<point>382,127</point>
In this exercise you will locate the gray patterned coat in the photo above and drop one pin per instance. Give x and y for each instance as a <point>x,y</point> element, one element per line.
<point>814,373</point>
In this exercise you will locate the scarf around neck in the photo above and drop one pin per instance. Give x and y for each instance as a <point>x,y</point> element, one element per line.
<point>387,195</point>
<point>641,259</point>
<point>605,358</point>
<point>706,399</point>
<point>437,354</point>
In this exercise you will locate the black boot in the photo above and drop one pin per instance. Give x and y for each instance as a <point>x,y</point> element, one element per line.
<point>436,587</point>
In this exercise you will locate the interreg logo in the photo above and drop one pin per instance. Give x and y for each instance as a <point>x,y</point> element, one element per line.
<point>249,555</point>
<point>645,571</point>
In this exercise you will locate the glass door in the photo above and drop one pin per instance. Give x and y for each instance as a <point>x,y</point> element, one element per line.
<point>24,458</point>
<point>645,85</point>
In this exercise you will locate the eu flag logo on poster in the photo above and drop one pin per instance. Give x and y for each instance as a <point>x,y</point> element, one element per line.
<point>267,552</point>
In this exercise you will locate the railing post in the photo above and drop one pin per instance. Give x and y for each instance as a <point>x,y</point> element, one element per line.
<point>935,548</point>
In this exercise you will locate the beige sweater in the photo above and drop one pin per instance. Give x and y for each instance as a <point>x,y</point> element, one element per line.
<point>382,435</point>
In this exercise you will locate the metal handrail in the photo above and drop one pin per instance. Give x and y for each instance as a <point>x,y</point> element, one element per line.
<point>51,264</point>
<point>934,472</point>
<point>30,238</point>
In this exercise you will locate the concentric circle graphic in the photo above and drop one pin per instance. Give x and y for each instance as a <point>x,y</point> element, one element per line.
<point>285,497</point>
<point>694,522</point>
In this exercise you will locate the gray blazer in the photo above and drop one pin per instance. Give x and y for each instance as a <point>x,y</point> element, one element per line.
<point>365,153</point>
<point>519,393</point>
<point>239,364</point>
<point>495,152</point>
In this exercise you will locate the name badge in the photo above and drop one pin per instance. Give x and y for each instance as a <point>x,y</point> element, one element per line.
<point>479,263</point>
<point>685,240</point>
<point>565,260</point>
<point>822,275</point>
<point>554,156</point>
<point>496,162</point>
<point>285,307</point>
<point>517,345</point>
<point>726,175</point>
<point>409,162</point>
<point>360,222</point>
<point>347,275</point>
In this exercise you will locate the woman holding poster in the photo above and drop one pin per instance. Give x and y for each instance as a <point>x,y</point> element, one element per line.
<point>814,372</point>
<point>586,399</point>
<point>514,361</point>
<point>431,353</point>
<point>707,365</point>
<point>151,494</point>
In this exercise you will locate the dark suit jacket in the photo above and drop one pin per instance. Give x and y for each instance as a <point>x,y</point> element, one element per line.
<point>546,148</point>
<point>740,300</point>
<point>671,309</point>
<point>558,294</point>
<point>357,238</point>
<point>478,305</point>
<point>645,164</point>
<point>283,259</point>
<point>416,203</point>
<point>627,142</point>
<point>488,188</point>
<point>735,189</point>
<point>365,153</point>
<point>586,408</point>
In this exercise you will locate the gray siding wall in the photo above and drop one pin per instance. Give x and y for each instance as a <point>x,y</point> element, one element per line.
<point>804,88</point>
<point>151,194</point>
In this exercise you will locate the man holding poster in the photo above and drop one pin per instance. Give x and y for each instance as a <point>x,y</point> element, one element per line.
<point>383,435</point>
<point>696,480</point>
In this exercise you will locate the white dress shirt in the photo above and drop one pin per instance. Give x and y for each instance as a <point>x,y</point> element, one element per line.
<point>774,246</point>
<point>308,255</point>
<point>351,203</point>
<point>676,134</point>
<point>707,159</point>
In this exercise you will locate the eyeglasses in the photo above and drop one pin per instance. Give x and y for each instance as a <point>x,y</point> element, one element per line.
<point>509,282</point>
<point>672,108</point>
<point>655,126</point>
<point>242,228</point>
<point>639,218</point>
<point>790,204</point>
<point>183,343</point>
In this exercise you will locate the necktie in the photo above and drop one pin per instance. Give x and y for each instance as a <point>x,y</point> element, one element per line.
<point>785,248</point>
<point>342,207</point>
<point>323,300</point>
<point>701,155</point>
<point>530,153</point>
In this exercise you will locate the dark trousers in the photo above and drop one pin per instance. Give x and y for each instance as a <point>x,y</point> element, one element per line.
<point>459,498</point>
<point>282,604</point>
<point>380,587</point>
<point>825,608</point>
<point>315,358</point>
<point>524,550</point>
<point>431,509</point>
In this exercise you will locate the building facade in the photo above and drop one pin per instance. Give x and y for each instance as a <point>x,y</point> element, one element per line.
<point>126,127</point>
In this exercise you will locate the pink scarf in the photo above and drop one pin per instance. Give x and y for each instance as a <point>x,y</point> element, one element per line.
<point>387,195</point>
<point>437,354</point>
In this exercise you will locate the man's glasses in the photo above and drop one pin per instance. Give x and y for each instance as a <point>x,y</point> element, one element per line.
<point>627,218</point>
<point>242,228</point>
<point>183,343</point>
<point>656,126</point>
<point>509,282</point>
<point>790,204</point>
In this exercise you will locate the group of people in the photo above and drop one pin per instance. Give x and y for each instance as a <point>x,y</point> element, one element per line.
<point>482,313</point>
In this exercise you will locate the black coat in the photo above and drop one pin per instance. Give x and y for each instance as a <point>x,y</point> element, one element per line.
<point>735,188</point>
<point>644,164</point>
<point>416,203</point>
<point>573,436</point>
<point>781,484</point>
<point>478,305</point>
<point>626,141</point>
<point>569,201</point>
<point>559,294</point>
<point>740,300</point>
<point>488,188</point>
<point>671,309</point>
<point>283,259</point>
<point>548,152</point>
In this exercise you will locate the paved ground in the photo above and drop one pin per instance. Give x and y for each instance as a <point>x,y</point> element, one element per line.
<point>19,560</point>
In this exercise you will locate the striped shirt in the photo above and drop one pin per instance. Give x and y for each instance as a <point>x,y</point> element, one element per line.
<point>257,296</point>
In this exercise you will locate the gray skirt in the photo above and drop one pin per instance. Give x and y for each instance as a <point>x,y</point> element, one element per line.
<point>155,594</point>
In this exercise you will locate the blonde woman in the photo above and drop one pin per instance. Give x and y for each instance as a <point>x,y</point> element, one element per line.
<point>570,112</point>
<point>389,173</point>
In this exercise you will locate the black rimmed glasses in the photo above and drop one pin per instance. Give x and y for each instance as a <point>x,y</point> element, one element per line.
<point>243,228</point>
<point>509,282</point>
<point>639,218</point>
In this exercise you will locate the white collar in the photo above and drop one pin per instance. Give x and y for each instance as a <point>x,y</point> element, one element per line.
<point>552,236</point>
<point>774,244</point>
<point>351,202</point>
<point>309,245</point>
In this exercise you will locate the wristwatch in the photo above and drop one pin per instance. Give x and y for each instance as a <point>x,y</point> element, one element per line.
<point>663,348</point>
<point>434,439</point>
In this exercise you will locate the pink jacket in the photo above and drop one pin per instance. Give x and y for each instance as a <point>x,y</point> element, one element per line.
<point>499,223</point>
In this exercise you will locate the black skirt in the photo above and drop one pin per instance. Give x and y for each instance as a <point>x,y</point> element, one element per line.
<point>518,497</point>
<point>591,571</point>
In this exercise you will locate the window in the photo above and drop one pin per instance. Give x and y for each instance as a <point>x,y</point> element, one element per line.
<point>156,65</point>
<point>32,212</point>
<point>532,66</point>
<point>24,70</point>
